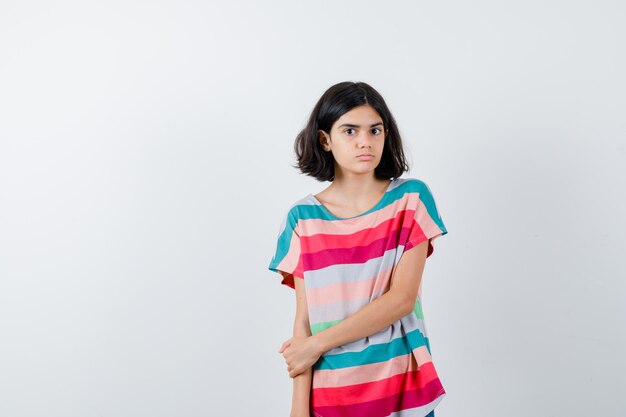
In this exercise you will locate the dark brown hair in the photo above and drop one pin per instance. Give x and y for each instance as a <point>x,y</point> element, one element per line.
<point>312,160</point>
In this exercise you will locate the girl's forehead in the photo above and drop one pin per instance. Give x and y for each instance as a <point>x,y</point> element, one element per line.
<point>365,114</point>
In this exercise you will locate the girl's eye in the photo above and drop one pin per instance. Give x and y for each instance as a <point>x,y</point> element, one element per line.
<point>349,131</point>
<point>376,131</point>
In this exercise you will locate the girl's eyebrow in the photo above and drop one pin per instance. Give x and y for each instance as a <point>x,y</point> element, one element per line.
<point>351,125</point>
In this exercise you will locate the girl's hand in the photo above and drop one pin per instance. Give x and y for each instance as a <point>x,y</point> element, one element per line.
<point>300,354</point>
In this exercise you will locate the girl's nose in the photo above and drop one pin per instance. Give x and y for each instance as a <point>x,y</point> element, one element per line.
<point>365,139</point>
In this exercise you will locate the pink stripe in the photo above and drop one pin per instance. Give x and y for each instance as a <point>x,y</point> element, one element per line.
<point>425,228</point>
<point>292,262</point>
<point>325,378</point>
<point>334,241</point>
<point>320,226</point>
<point>341,291</point>
<point>422,355</point>
<point>352,395</point>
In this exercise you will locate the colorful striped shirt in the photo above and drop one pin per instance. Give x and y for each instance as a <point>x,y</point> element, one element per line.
<point>346,263</point>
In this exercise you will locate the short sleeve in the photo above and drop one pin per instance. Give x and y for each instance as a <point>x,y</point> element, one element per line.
<point>287,259</point>
<point>427,223</point>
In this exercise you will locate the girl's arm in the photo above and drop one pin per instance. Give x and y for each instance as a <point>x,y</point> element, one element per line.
<point>301,329</point>
<point>396,303</point>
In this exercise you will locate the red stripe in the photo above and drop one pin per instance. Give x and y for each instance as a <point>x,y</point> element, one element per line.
<point>321,241</point>
<point>322,250</point>
<point>385,406</point>
<point>368,391</point>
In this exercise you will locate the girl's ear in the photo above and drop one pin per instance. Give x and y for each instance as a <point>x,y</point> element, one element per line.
<point>324,139</point>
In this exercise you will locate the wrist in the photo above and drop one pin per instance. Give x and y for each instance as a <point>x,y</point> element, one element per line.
<point>320,343</point>
<point>299,411</point>
<point>299,407</point>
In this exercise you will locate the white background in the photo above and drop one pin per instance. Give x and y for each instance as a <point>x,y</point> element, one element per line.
<point>145,165</point>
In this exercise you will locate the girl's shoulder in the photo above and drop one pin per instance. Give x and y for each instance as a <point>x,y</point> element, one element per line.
<point>296,209</point>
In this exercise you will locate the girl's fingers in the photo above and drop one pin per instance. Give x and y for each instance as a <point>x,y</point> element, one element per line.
<point>284,346</point>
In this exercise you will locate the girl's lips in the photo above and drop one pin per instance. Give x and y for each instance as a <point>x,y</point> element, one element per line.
<point>366,157</point>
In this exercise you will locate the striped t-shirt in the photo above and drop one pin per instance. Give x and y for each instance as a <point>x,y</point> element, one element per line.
<point>346,263</point>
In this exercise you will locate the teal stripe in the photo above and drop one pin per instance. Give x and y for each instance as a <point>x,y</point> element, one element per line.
<point>374,353</point>
<point>284,240</point>
<point>428,200</point>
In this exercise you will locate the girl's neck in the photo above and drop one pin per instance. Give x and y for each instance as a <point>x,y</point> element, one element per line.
<point>355,191</point>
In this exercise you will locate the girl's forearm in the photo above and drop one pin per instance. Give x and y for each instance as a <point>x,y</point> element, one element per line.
<point>301,383</point>
<point>370,319</point>
<point>301,393</point>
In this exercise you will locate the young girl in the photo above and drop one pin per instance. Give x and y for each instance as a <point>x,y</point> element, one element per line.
<point>355,253</point>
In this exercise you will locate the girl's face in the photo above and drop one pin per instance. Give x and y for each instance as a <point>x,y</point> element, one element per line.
<point>357,132</point>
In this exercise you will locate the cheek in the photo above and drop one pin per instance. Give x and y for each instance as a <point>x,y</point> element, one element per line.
<point>343,147</point>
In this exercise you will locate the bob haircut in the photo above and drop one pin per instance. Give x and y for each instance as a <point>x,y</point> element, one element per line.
<point>312,160</point>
